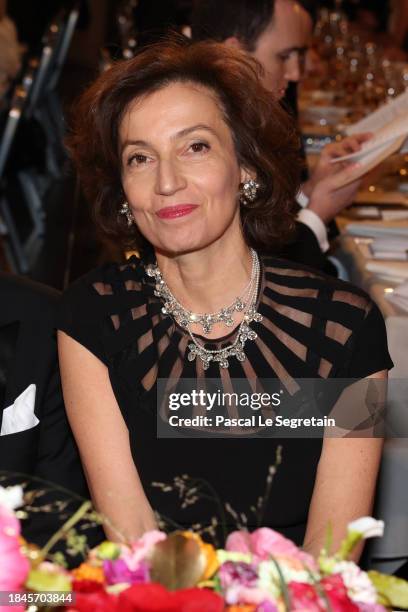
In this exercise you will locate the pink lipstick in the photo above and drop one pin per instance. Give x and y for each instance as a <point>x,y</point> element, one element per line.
<point>173,212</point>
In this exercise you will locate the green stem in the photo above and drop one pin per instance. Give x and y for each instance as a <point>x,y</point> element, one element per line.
<point>319,589</point>
<point>284,587</point>
<point>77,516</point>
<point>348,545</point>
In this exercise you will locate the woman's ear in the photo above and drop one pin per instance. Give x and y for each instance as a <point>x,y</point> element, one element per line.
<point>247,175</point>
<point>233,42</point>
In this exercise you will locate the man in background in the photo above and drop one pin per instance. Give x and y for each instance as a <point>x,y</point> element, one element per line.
<point>36,443</point>
<point>277,34</point>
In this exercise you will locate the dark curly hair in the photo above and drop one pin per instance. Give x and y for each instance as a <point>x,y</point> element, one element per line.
<point>264,137</point>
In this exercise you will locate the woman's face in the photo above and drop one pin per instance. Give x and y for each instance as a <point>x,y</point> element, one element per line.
<point>180,173</point>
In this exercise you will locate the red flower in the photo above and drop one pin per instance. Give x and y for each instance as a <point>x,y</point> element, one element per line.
<point>310,597</point>
<point>303,596</point>
<point>155,598</point>
<point>143,597</point>
<point>197,600</point>
<point>86,586</point>
<point>336,593</point>
<point>96,601</point>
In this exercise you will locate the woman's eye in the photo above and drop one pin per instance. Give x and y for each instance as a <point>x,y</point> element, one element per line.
<point>199,147</point>
<point>138,159</point>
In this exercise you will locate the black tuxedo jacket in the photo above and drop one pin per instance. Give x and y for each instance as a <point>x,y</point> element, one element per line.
<point>28,355</point>
<point>305,249</point>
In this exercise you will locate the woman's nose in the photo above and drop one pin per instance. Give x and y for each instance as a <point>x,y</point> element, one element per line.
<point>293,70</point>
<point>169,178</point>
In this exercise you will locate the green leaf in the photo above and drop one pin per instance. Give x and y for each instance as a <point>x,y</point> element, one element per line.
<point>348,545</point>
<point>59,559</point>
<point>328,540</point>
<point>108,550</point>
<point>41,580</point>
<point>393,590</point>
<point>217,584</point>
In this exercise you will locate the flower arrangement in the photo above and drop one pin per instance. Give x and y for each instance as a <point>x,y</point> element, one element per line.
<point>260,571</point>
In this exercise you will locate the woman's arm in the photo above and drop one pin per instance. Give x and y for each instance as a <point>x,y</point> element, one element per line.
<point>344,488</point>
<point>103,441</point>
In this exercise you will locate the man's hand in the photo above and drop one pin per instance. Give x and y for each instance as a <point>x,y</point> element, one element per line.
<point>328,200</point>
<point>325,167</point>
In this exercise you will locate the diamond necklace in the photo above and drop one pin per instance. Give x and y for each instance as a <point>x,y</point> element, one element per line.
<point>184,317</point>
<point>244,332</point>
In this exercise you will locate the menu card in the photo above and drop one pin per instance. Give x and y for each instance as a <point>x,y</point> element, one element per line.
<point>389,125</point>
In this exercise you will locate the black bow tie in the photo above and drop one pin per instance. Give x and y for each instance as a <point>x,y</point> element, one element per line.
<point>8,341</point>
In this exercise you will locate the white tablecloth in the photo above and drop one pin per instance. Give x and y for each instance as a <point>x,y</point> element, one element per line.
<point>391,551</point>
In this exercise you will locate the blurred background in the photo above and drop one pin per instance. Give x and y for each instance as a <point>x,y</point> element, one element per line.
<point>50,51</point>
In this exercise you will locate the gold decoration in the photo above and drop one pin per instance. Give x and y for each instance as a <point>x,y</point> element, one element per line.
<point>209,553</point>
<point>177,562</point>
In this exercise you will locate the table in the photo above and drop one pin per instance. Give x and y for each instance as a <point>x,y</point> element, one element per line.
<point>386,554</point>
<point>319,125</point>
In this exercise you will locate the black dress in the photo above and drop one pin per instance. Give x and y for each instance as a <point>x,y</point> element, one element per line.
<point>313,326</point>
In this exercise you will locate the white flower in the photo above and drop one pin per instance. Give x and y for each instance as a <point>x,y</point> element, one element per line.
<point>367,526</point>
<point>270,580</point>
<point>11,497</point>
<point>230,555</point>
<point>358,584</point>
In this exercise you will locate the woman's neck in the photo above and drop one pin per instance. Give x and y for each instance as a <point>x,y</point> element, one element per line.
<point>209,279</point>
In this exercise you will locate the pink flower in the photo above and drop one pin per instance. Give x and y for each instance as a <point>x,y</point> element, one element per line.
<point>14,566</point>
<point>117,572</point>
<point>239,584</point>
<point>238,594</point>
<point>140,550</point>
<point>266,606</point>
<point>264,542</point>
<point>243,574</point>
<point>239,541</point>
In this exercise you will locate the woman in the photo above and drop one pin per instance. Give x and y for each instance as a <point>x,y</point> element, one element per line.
<point>185,157</point>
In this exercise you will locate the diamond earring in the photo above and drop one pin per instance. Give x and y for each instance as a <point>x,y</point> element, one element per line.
<point>125,210</point>
<point>248,192</point>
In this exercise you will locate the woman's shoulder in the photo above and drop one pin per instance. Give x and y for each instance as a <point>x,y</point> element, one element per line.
<point>333,318</point>
<point>105,285</point>
<point>302,282</point>
<point>93,305</point>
